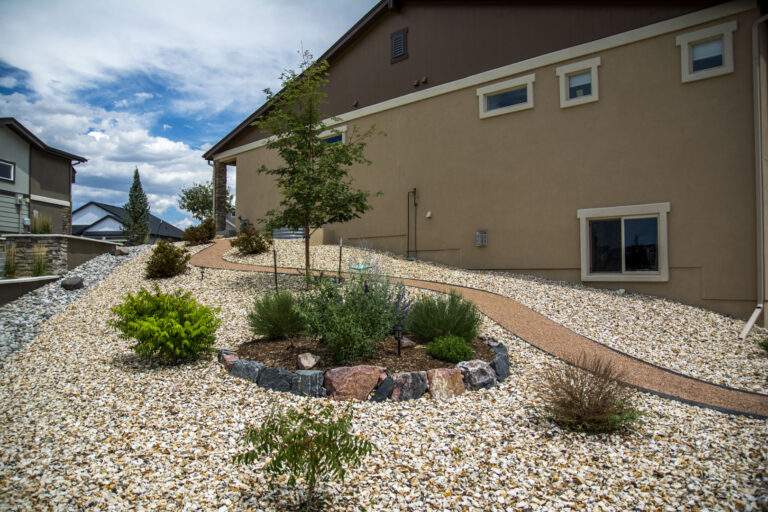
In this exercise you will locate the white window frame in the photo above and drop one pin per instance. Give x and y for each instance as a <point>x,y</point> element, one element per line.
<point>687,40</point>
<point>656,210</point>
<point>13,171</point>
<point>337,130</point>
<point>563,72</point>
<point>507,85</point>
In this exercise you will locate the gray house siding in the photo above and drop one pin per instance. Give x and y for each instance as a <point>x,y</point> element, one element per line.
<point>14,149</point>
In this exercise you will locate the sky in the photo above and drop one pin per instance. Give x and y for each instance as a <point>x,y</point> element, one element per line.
<point>151,84</point>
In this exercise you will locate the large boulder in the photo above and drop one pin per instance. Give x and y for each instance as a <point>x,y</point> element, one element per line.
<point>352,382</point>
<point>246,369</point>
<point>500,362</point>
<point>276,379</point>
<point>384,389</point>
<point>308,360</point>
<point>72,283</point>
<point>409,385</point>
<point>445,382</point>
<point>477,374</point>
<point>122,251</point>
<point>308,383</point>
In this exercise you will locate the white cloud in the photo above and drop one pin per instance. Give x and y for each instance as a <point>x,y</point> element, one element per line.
<point>8,82</point>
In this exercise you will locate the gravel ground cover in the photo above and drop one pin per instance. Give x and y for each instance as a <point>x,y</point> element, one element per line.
<point>86,426</point>
<point>684,338</point>
<point>20,319</point>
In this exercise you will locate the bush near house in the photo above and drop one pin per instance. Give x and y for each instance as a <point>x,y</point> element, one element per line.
<point>431,317</point>
<point>166,260</point>
<point>39,260</point>
<point>41,225</point>
<point>170,327</point>
<point>275,316</point>
<point>203,233</point>
<point>590,400</point>
<point>250,241</point>
<point>9,267</point>
<point>307,446</point>
<point>452,349</point>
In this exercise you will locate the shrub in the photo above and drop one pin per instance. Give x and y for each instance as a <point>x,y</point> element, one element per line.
<point>250,241</point>
<point>203,233</point>
<point>432,317</point>
<point>9,268</point>
<point>170,327</point>
<point>351,319</point>
<point>308,446</point>
<point>590,400</point>
<point>166,260</point>
<point>763,344</point>
<point>276,316</point>
<point>39,260</point>
<point>452,349</point>
<point>41,224</point>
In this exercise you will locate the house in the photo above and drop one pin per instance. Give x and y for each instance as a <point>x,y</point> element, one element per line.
<point>106,222</point>
<point>614,144</point>
<point>35,180</point>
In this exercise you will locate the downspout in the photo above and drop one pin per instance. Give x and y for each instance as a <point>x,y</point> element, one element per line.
<point>758,128</point>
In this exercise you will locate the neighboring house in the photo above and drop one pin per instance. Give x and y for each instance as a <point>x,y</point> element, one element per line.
<point>612,143</point>
<point>35,180</point>
<point>104,221</point>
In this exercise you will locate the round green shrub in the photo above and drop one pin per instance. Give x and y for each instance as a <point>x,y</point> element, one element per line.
<point>250,241</point>
<point>203,233</point>
<point>275,316</point>
<point>452,349</point>
<point>431,317</point>
<point>170,327</point>
<point>166,260</point>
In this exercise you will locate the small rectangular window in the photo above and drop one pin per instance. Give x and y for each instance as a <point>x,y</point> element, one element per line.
<point>399,45</point>
<point>641,244</point>
<point>580,84</point>
<point>6,171</point>
<point>334,139</point>
<point>707,55</point>
<point>605,245</point>
<point>507,98</point>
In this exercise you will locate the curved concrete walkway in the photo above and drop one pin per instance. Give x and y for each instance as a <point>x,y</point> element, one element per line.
<point>557,340</point>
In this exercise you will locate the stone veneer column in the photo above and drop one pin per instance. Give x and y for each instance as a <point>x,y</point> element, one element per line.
<point>220,196</point>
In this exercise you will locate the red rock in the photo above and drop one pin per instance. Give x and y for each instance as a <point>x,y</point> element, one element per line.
<point>445,382</point>
<point>352,382</point>
<point>228,360</point>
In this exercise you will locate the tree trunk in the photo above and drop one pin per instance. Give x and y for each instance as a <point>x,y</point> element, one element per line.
<point>306,254</point>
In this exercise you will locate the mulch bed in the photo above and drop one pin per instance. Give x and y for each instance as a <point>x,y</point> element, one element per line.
<point>284,354</point>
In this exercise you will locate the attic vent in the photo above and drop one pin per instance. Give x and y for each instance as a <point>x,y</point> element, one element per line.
<point>399,45</point>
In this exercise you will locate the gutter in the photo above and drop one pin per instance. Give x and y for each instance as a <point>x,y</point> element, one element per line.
<point>759,152</point>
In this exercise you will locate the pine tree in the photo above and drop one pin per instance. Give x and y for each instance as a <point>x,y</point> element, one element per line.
<point>137,213</point>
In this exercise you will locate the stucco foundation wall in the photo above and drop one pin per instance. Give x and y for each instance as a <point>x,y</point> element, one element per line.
<point>522,176</point>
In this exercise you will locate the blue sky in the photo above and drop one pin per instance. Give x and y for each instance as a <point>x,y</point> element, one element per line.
<point>151,84</point>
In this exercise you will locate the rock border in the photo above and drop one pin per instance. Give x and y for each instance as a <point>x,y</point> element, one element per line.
<point>375,383</point>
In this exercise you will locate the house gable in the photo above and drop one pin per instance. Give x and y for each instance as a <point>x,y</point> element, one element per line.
<point>107,224</point>
<point>88,214</point>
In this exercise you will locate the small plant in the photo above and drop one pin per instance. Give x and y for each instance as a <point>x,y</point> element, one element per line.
<point>170,327</point>
<point>452,349</point>
<point>763,344</point>
<point>41,224</point>
<point>39,260</point>
<point>166,260</point>
<point>305,445</point>
<point>432,317</point>
<point>275,316</point>
<point>249,240</point>
<point>203,233</point>
<point>9,268</point>
<point>590,400</point>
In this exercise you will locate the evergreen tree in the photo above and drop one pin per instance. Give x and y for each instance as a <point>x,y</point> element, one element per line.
<point>137,213</point>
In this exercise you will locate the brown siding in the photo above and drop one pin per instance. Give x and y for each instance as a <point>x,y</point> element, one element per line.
<point>449,40</point>
<point>50,176</point>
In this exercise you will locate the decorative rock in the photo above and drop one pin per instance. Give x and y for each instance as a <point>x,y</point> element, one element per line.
<point>477,374</point>
<point>352,382</point>
<point>409,385</point>
<point>445,382</point>
<point>276,379</point>
<point>407,342</point>
<point>491,341</point>
<point>222,352</point>
<point>383,390</point>
<point>246,369</point>
<point>308,360</point>
<point>122,251</point>
<point>500,364</point>
<point>228,360</point>
<point>308,383</point>
<point>72,283</point>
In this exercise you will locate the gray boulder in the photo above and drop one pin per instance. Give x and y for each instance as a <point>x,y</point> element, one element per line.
<point>500,365</point>
<point>246,369</point>
<point>477,374</point>
<point>122,251</point>
<point>383,390</point>
<point>72,283</point>
<point>308,383</point>
<point>276,379</point>
<point>409,385</point>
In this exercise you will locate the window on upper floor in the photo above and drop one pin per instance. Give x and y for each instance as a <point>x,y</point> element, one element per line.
<point>335,135</point>
<point>507,96</point>
<point>707,52</point>
<point>7,170</point>
<point>578,82</point>
<point>399,45</point>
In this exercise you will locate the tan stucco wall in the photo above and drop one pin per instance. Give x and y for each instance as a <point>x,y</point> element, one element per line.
<point>522,176</point>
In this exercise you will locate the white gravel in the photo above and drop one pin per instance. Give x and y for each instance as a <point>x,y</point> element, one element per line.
<point>684,338</point>
<point>85,426</point>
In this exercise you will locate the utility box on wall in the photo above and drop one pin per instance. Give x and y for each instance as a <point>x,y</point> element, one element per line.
<point>481,238</point>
